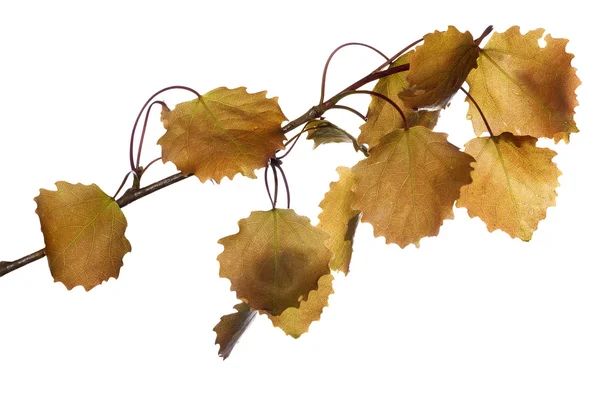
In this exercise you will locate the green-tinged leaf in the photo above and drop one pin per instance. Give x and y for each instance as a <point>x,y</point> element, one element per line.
<point>84,233</point>
<point>275,259</point>
<point>223,133</point>
<point>322,131</point>
<point>514,183</point>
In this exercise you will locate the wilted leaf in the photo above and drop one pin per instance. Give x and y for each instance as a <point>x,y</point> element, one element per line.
<point>84,233</point>
<point>339,220</point>
<point>231,327</point>
<point>382,118</point>
<point>223,133</point>
<point>296,321</point>
<point>275,260</point>
<point>514,183</point>
<point>407,186</point>
<point>438,68</point>
<point>523,88</point>
<point>322,131</point>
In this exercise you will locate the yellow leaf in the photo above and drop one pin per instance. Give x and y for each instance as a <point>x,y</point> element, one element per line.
<point>231,327</point>
<point>296,321</point>
<point>407,186</point>
<point>382,118</point>
<point>438,68</point>
<point>339,220</point>
<point>275,260</point>
<point>514,182</point>
<point>223,133</point>
<point>523,88</point>
<point>84,233</point>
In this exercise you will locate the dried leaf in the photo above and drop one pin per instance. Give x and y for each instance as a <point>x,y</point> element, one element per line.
<point>514,182</point>
<point>322,131</point>
<point>438,68</point>
<point>231,327</point>
<point>223,133</point>
<point>339,220</point>
<point>407,186</point>
<point>296,321</point>
<point>275,260</point>
<point>382,118</point>
<point>84,233</point>
<point>523,88</point>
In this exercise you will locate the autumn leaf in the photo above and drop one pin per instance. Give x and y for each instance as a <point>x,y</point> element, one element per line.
<point>231,327</point>
<point>383,118</point>
<point>438,68</point>
<point>322,131</point>
<point>407,186</point>
<point>84,233</point>
<point>275,260</point>
<point>223,133</point>
<point>296,321</point>
<point>514,183</point>
<point>523,88</point>
<point>339,220</point>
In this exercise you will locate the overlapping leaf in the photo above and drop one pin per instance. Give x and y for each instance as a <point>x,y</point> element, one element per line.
<point>84,233</point>
<point>339,220</point>
<point>523,88</point>
<point>231,327</point>
<point>407,186</point>
<point>382,118</point>
<point>275,260</point>
<point>438,68</point>
<point>223,133</point>
<point>514,183</point>
<point>296,321</point>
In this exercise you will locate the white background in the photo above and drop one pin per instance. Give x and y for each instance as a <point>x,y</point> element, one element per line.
<point>470,324</point>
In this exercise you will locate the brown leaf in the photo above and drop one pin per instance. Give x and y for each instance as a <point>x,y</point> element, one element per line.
<point>84,233</point>
<point>438,68</point>
<point>296,321</point>
<point>514,182</point>
<point>275,260</point>
<point>231,327</point>
<point>322,131</point>
<point>339,220</point>
<point>407,186</point>
<point>223,133</point>
<point>382,118</point>
<point>523,88</point>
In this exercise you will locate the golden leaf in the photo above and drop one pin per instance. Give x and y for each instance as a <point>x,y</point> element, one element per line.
<point>275,260</point>
<point>231,327</point>
<point>514,182</point>
<point>407,186</point>
<point>438,68</point>
<point>523,88</point>
<point>223,133</point>
<point>339,220</point>
<point>382,118</point>
<point>296,321</point>
<point>84,233</point>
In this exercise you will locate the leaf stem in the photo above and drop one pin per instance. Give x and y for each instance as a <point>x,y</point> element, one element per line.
<point>323,80</point>
<point>131,142</point>
<point>487,125</point>
<point>139,154</point>
<point>378,95</point>
<point>351,110</point>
